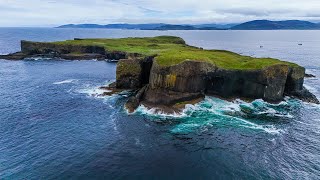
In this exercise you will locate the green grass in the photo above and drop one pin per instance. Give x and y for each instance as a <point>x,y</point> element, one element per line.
<point>173,50</point>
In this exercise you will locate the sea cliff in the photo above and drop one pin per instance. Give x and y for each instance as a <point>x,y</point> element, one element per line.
<point>165,72</point>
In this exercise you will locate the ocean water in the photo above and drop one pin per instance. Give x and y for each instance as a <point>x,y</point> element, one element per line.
<point>55,125</point>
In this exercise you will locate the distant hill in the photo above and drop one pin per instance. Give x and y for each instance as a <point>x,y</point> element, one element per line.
<point>276,25</point>
<point>81,26</point>
<point>113,26</point>
<point>173,27</point>
<point>217,26</point>
<point>133,26</point>
<point>251,25</point>
<point>159,26</point>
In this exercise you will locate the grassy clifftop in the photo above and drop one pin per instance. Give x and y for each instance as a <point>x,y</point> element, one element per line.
<point>172,50</point>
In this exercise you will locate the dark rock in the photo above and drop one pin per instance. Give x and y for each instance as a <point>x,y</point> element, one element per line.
<point>189,76</point>
<point>116,55</point>
<point>201,77</point>
<point>111,89</point>
<point>133,73</point>
<point>166,97</point>
<point>309,76</point>
<point>129,74</point>
<point>295,80</point>
<point>14,56</point>
<point>82,56</point>
<point>133,103</point>
<point>276,78</point>
<point>113,85</point>
<point>305,95</point>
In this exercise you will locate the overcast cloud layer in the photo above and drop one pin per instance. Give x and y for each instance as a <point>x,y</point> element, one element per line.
<point>57,12</point>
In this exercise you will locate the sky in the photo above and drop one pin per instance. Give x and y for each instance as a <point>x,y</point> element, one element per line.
<point>46,13</point>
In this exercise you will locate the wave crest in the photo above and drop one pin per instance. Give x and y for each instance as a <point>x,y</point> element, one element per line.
<point>215,112</point>
<point>68,81</point>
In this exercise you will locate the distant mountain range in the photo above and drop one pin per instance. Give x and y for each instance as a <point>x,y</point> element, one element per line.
<point>251,25</point>
<point>159,26</point>
<point>274,25</point>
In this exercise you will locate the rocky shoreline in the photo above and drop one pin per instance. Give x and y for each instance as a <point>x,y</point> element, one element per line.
<point>190,80</point>
<point>31,49</point>
<point>170,87</point>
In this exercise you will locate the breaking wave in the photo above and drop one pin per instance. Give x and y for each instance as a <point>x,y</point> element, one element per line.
<point>214,112</point>
<point>92,91</point>
<point>68,81</point>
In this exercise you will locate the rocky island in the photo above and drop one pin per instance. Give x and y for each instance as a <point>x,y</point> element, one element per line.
<point>167,73</point>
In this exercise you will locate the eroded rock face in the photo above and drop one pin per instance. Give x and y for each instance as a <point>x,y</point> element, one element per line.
<point>189,76</point>
<point>295,80</point>
<point>276,77</point>
<point>133,73</point>
<point>160,97</point>
<point>205,78</point>
<point>267,83</point>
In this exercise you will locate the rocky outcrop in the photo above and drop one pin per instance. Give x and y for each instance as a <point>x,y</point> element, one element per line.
<point>31,49</point>
<point>295,80</point>
<point>133,73</point>
<point>205,78</point>
<point>134,101</point>
<point>309,76</point>
<point>14,56</point>
<point>305,95</point>
<point>189,80</point>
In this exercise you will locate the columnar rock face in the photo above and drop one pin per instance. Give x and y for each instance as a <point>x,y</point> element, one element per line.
<point>267,83</point>
<point>193,79</point>
<point>182,82</point>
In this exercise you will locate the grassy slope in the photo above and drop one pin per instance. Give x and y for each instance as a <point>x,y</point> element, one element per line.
<point>173,50</point>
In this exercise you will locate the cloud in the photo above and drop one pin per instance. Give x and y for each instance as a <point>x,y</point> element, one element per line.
<point>56,12</point>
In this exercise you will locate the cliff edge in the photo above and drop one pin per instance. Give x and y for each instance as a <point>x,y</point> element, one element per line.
<point>167,73</point>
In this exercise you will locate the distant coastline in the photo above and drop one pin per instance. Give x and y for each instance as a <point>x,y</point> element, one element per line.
<point>251,25</point>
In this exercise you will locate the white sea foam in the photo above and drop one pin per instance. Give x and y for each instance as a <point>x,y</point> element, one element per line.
<point>94,91</point>
<point>155,112</point>
<point>271,129</point>
<point>215,112</point>
<point>68,81</point>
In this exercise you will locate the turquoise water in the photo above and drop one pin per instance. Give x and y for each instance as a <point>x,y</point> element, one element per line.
<point>55,125</point>
<point>214,112</point>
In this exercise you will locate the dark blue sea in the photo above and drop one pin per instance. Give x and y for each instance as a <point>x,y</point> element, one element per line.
<point>54,124</point>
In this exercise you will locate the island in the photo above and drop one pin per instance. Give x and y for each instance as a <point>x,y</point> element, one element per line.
<point>166,73</point>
